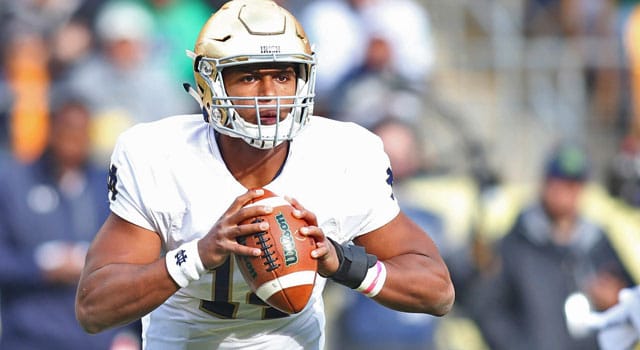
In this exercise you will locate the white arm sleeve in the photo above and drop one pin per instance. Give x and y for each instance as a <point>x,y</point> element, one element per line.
<point>126,181</point>
<point>371,179</point>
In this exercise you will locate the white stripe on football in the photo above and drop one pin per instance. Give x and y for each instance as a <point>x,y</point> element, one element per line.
<point>294,279</point>
<point>270,201</point>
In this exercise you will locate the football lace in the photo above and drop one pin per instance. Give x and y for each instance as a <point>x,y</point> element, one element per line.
<point>270,260</point>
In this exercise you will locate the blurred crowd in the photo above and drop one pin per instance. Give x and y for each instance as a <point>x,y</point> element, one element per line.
<point>75,73</point>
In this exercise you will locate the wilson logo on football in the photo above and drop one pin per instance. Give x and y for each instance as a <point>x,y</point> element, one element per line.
<point>288,244</point>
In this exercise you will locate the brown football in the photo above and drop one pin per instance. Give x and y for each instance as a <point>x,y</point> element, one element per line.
<point>284,275</point>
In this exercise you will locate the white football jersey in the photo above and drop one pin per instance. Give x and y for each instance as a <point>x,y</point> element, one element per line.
<point>168,176</point>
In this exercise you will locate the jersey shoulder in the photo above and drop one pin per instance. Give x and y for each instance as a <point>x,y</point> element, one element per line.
<point>162,136</point>
<point>327,133</point>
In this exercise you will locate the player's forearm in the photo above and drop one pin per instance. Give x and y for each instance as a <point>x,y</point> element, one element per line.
<point>118,294</point>
<point>417,283</point>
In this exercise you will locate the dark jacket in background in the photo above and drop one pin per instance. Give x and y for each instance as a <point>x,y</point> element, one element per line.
<point>35,313</point>
<point>523,306</point>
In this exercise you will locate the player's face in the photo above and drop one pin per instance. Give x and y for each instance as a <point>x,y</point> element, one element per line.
<point>261,81</point>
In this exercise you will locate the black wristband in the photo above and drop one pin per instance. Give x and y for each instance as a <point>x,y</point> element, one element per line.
<point>354,263</point>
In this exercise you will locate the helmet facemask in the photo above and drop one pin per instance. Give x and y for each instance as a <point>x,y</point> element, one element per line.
<point>288,46</point>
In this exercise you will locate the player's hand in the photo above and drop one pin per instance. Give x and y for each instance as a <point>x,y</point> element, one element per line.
<point>325,252</point>
<point>220,241</point>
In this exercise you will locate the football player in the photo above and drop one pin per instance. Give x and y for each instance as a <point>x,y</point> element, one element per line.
<point>177,188</point>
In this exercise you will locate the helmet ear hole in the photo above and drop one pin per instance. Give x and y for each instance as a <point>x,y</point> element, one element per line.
<point>302,71</point>
<point>196,63</point>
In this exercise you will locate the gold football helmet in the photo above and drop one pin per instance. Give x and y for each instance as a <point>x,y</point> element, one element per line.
<point>250,32</point>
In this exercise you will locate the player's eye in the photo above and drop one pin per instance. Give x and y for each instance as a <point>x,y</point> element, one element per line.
<point>249,78</point>
<point>283,77</point>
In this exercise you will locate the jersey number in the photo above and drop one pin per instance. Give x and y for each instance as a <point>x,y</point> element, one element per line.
<point>221,307</point>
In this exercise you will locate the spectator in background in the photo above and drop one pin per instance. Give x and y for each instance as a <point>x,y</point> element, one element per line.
<point>73,41</point>
<point>39,41</point>
<point>375,89</point>
<point>342,46</point>
<point>406,26</point>
<point>126,82</point>
<point>49,211</point>
<point>550,253</point>
<point>362,323</point>
<point>46,16</point>
<point>339,46</point>
<point>27,82</point>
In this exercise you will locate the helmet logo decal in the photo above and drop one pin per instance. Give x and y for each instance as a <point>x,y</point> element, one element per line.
<point>270,49</point>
